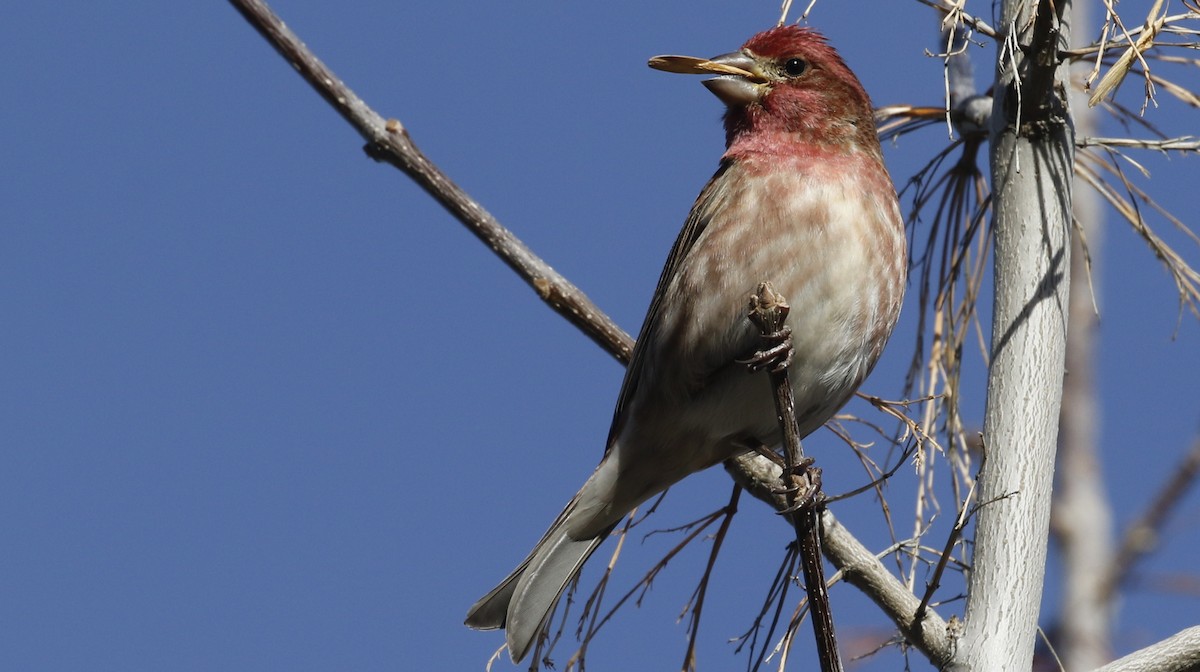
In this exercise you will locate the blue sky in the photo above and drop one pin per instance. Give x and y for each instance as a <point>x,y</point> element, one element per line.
<point>240,431</point>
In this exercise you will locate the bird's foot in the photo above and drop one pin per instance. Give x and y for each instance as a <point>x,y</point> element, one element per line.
<point>806,483</point>
<point>776,356</point>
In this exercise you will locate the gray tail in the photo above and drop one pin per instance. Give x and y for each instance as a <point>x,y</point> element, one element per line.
<point>523,601</point>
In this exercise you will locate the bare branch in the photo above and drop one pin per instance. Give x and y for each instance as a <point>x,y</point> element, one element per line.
<point>591,622</point>
<point>802,482</point>
<point>859,567</point>
<point>389,141</point>
<point>960,523</point>
<point>1178,653</point>
<point>1116,74</point>
<point>697,606</point>
<point>1168,28</point>
<point>1183,143</point>
<point>954,12</point>
<point>1186,278</point>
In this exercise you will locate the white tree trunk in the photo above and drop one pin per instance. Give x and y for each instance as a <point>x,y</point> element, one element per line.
<point>1032,146</point>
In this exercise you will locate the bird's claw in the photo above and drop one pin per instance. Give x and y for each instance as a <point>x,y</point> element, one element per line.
<point>809,494</point>
<point>801,503</point>
<point>777,356</point>
<point>786,489</point>
<point>805,485</point>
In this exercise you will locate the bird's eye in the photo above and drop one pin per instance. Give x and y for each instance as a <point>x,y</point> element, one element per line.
<point>794,67</point>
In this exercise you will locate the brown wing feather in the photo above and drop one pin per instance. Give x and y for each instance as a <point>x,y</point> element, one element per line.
<point>697,221</point>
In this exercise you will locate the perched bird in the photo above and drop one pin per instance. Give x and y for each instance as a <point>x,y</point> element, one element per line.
<point>801,200</point>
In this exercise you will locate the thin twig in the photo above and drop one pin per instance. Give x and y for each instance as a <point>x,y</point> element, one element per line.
<point>960,523</point>
<point>642,586</point>
<point>1116,74</point>
<point>689,658</point>
<point>768,311</point>
<point>953,9</point>
<point>776,595</point>
<point>1183,143</point>
<point>859,566</point>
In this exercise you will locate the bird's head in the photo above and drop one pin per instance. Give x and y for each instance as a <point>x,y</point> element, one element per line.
<point>784,85</point>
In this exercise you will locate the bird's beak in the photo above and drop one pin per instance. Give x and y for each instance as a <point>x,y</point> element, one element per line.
<point>740,81</point>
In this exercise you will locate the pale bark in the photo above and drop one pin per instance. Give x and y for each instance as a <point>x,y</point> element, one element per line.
<point>1032,146</point>
<point>1178,653</point>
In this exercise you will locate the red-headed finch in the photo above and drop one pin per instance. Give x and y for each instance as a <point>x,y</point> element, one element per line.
<point>801,200</point>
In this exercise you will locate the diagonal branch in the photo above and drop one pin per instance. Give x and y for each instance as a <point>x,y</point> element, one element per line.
<point>1178,653</point>
<point>388,141</point>
<point>954,13</point>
